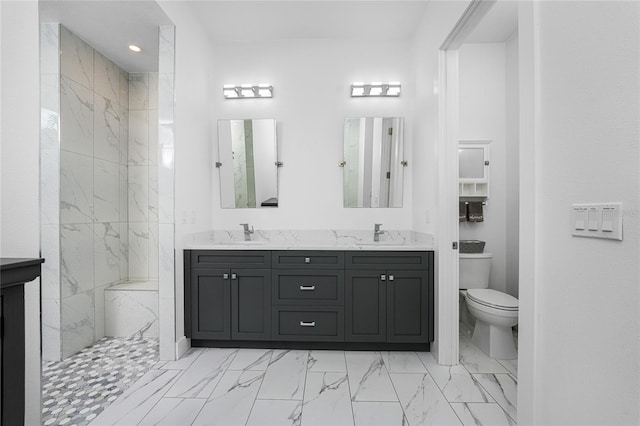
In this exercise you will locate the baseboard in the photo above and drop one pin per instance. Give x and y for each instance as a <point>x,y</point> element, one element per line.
<point>182,346</point>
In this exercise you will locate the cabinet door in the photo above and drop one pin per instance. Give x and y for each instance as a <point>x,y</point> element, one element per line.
<point>251,304</point>
<point>365,306</point>
<point>408,295</point>
<point>210,304</point>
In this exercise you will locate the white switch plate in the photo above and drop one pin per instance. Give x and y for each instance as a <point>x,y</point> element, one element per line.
<point>600,220</point>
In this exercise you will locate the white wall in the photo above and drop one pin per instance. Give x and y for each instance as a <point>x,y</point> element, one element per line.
<point>482,116</point>
<point>586,361</point>
<point>512,151</point>
<point>435,25</point>
<point>193,135</point>
<point>311,80</point>
<point>19,136</point>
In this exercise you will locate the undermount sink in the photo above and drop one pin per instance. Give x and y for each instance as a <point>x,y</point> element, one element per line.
<point>240,243</point>
<point>381,243</point>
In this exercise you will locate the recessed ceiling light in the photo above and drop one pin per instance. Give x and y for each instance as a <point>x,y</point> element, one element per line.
<point>134,48</point>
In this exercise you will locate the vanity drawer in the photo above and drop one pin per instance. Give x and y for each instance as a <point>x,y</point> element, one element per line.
<point>230,259</point>
<point>308,287</point>
<point>308,323</point>
<point>301,259</point>
<point>422,260</point>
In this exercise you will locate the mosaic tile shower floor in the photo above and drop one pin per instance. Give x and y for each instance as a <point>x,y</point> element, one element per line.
<point>76,390</point>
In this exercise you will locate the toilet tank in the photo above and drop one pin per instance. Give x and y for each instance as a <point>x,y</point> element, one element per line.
<point>474,270</point>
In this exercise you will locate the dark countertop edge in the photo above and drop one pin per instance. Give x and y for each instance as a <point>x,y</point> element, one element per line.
<point>7,263</point>
<point>17,271</point>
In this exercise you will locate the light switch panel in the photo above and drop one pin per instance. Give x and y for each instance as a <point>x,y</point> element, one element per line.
<point>594,218</point>
<point>608,216</point>
<point>598,220</point>
<point>580,215</point>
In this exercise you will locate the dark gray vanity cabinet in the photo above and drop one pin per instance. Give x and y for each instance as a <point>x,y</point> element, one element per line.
<point>250,304</point>
<point>353,298</point>
<point>389,297</point>
<point>209,294</point>
<point>366,306</point>
<point>232,302</point>
<point>308,296</point>
<point>409,295</point>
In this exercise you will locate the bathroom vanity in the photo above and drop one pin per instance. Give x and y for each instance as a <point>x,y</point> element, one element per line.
<point>248,295</point>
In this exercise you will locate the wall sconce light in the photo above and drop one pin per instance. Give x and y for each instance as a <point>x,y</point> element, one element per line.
<point>247,91</point>
<point>375,89</point>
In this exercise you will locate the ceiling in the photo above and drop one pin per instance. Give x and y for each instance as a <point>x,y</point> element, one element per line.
<point>497,25</point>
<point>254,21</point>
<point>110,26</point>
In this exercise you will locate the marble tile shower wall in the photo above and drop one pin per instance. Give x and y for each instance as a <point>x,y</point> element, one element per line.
<point>143,176</point>
<point>88,186</point>
<point>94,98</point>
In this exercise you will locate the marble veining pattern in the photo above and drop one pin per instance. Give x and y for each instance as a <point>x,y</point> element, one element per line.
<point>131,313</point>
<point>138,193</point>
<point>138,137</point>
<point>422,400</point>
<point>202,377</point>
<point>138,247</point>
<point>106,191</point>
<point>232,399</point>
<point>456,383</point>
<point>106,78</point>
<point>285,375</point>
<point>327,399</point>
<point>76,60</point>
<point>474,414</point>
<point>85,185</point>
<point>368,377</point>
<point>225,386</point>
<point>309,239</point>
<point>76,188</point>
<point>106,128</point>
<point>76,117</point>
<point>76,259</point>
<point>107,253</point>
<point>78,322</point>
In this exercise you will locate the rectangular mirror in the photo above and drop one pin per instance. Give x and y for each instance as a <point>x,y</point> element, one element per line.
<point>248,163</point>
<point>373,162</point>
<point>471,163</point>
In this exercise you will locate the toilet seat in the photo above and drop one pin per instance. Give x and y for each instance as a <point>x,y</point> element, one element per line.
<point>493,299</point>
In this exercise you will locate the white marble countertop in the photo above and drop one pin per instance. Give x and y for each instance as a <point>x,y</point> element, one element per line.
<point>310,240</point>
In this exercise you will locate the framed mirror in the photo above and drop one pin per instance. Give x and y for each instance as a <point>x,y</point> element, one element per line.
<point>248,163</point>
<point>373,162</point>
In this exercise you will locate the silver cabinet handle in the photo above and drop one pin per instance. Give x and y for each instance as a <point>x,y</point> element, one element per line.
<point>307,324</point>
<point>225,276</point>
<point>383,277</point>
<point>307,260</point>
<point>307,287</point>
<point>390,277</point>
<point>234,276</point>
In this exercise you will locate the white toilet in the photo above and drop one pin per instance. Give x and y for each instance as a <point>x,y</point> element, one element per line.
<point>495,312</point>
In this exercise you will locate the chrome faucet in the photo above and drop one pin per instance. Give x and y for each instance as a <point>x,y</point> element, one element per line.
<point>247,232</point>
<point>377,231</point>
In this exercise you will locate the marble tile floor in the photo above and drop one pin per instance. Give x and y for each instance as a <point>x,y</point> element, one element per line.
<point>77,389</point>
<point>299,387</point>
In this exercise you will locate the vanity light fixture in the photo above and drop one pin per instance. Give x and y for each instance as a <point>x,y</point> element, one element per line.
<point>247,91</point>
<point>135,48</point>
<point>375,89</point>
